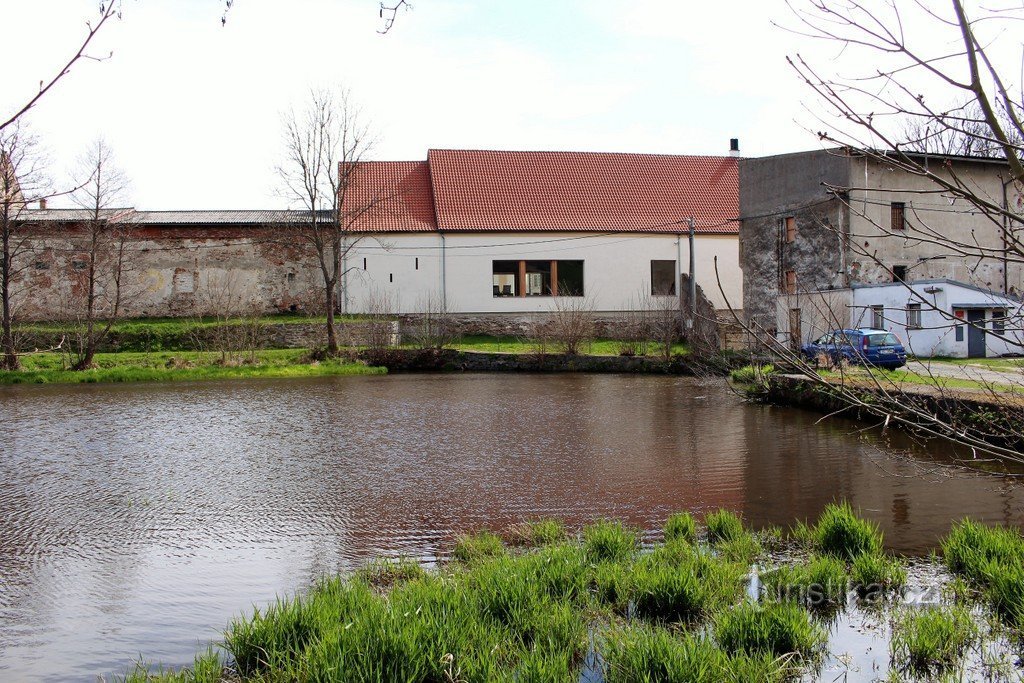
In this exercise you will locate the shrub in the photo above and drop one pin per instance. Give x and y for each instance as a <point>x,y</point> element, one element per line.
<point>821,582</point>
<point>607,540</point>
<point>723,525</point>
<point>841,533</point>
<point>775,629</point>
<point>681,526</point>
<point>932,639</point>
<point>474,547</point>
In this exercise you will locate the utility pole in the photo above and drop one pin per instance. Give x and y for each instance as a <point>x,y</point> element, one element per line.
<point>693,281</point>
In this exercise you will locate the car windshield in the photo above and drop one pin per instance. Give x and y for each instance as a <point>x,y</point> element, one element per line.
<point>880,339</point>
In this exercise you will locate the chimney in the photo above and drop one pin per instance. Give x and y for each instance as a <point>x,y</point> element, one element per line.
<point>42,203</point>
<point>734,147</point>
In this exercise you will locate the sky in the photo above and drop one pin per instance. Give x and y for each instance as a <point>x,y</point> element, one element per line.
<point>193,109</point>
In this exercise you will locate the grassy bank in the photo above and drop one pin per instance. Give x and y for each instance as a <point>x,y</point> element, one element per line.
<point>539,604</point>
<point>593,347</point>
<point>164,366</point>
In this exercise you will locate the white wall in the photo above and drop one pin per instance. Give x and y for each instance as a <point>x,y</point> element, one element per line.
<point>616,268</point>
<point>937,335</point>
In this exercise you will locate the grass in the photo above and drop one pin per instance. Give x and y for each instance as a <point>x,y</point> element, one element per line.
<point>821,582</point>
<point>609,540</point>
<point>991,560</point>
<point>931,639</point>
<point>897,378</point>
<point>50,368</point>
<point>774,629</point>
<point>873,574</point>
<point>537,533</point>
<point>681,527</point>
<point>723,525</point>
<point>840,532</point>
<point>675,611</point>
<point>594,347</point>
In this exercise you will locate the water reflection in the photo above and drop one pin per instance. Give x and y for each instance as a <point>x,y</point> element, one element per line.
<point>141,518</point>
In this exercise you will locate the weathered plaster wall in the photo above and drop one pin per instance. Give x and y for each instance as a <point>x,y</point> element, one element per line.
<point>173,272</point>
<point>771,189</point>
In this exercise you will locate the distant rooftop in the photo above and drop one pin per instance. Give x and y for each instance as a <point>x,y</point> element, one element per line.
<point>189,217</point>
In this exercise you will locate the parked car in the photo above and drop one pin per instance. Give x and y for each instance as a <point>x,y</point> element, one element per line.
<point>865,345</point>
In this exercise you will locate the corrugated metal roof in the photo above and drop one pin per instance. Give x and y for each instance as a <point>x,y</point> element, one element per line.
<point>187,217</point>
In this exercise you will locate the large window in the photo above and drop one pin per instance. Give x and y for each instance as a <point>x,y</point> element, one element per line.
<point>537,278</point>
<point>663,278</point>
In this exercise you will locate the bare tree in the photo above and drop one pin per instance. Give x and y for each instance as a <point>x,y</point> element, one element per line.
<point>100,250</point>
<point>432,327</point>
<point>324,145</point>
<point>22,182</point>
<point>962,131</point>
<point>571,323</point>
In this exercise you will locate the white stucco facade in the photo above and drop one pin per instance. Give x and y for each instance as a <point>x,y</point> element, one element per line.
<point>924,314</point>
<point>456,269</point>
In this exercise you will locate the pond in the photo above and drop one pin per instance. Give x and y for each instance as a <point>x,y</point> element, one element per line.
<point>142,518</point>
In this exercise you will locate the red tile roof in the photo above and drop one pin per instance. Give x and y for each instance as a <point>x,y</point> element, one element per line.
<point>485,191</point>
<point>397,193</point>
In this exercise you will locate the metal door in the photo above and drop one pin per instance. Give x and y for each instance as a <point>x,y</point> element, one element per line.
<point>976,334</point>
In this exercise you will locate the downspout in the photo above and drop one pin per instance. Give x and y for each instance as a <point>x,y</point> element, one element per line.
<point>1006,241</point>
<point>678,269</point>
<point>343,280</point>
<point>444,276</point>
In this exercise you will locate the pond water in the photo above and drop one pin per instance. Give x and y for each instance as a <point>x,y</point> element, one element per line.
<point>140,519</point>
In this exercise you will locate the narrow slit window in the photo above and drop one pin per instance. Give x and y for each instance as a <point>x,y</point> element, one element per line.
<point>898,215</point>
<point>364,263</point>
<point>790,229</point>
<point>417,263</point>
<point>391,277</point>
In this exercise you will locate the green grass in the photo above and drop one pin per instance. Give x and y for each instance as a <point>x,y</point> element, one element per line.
<point>656,654</point>
<point>595,347</point>
<point>51,368</point>
<point>840,532</point>
<point>609,540</point>
<point>895,379</point>
<point>681,527</point>
<point>536,533</point>
<point>931,639</point>
<point>723,525</point>
<point>991,560</point>
<point>675,611</point>
<point>822,581</point>
<point>775,629</point>
<point>475,547</point>
<point>874,574</point>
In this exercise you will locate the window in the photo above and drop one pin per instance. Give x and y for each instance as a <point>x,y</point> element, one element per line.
<point>42,265</point>
<point>790,229</point>
<point>663,278</point>
<point>898,216</point>
<point>998,321</point>
<point>417,263</point>
<point>184,281</point>
<point>536,278</point>
<point>914,316</point>
<point>79,265</point>
<point>899,273</point>
<point>878,317</point>
<point>790,282</point>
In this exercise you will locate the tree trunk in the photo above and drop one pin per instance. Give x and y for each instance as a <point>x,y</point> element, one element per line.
<point>10,360</point>
<point>332,337</point>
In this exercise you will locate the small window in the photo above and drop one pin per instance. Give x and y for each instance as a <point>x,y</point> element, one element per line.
<point>899,273</point>
<point>790,282</point>
<point>291,277</point>
<point>42,265</point>
<point>663,278</point>
<point>898,216</point>
<point>790,229</point>
<point>998,321</point>
<point>878,317</point>
<point>364,263</point>
<point>417,263</point>
<point>913,316</point>
<point>79,265</point>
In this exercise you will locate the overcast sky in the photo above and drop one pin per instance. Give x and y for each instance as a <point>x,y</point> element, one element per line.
<point>193,109</point>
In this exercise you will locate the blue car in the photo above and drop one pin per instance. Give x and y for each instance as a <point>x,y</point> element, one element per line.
<point>865,346</point>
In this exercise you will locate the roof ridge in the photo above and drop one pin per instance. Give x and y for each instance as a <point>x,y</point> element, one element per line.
<point>572,151</point>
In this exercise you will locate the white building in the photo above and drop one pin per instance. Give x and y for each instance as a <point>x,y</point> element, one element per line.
<point>503,233</point>
<point>938,317</point>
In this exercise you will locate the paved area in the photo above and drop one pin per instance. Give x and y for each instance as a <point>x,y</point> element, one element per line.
<point>977,373</point>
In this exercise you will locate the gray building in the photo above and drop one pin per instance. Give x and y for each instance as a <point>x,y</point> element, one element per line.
<point>832,219</point>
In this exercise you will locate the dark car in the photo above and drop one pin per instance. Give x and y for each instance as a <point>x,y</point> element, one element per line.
<point>865,345</point>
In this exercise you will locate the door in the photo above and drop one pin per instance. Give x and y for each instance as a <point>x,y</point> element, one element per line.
<point>976,333</point>
<point>795,332</point>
